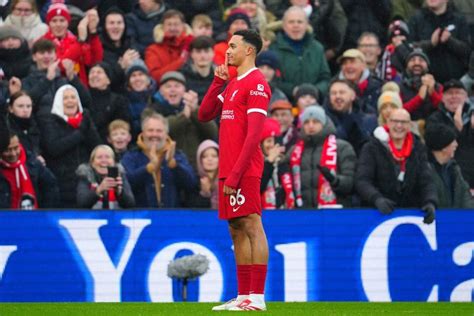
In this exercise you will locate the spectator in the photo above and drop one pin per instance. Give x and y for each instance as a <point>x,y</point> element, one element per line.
<point>98,187</point>
<point>267,62</point>
<point>207,158</point>
<point>368,43</point>
<point>25,183</point>
<point>392,64</point>
<point>453,190</point>
<point>68,136</point>
<point>156,171</point>
<point>319,181</point>
<point>281,111</point>
<point>120,49</point>
<point>22,123</point>
<point>343,108</point>
<point>44,78</point>
<point>259,17</point>
<point>444,35</point>
<point>85,49</point>
<point>140,90</point>
<point>354,69</point>
<point>388,101</point>
<point>458,114</point>
<point>202,25</point>
<point>180,107</point>
<point>25,18</point>
<point>276,188</point>
<point>236,20</point>
<point>171,48</point>
<point>199,69</point>
<point>420,92</point>
<point>119,137</point>
<point>363,16</point>
<point>305,95</point>
<point>302,57</point>
<point>142,20</point>
<point>393,170</point>
<point>15,56</point>
<point>107,105</point>
<point>211,8</point>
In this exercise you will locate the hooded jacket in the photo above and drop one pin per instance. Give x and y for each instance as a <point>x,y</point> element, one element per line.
<point>346,161</point>
<point>16,62</point>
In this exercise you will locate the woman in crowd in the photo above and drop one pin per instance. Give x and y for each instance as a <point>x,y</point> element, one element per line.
<point>25,18</point>
<point>207,159</point>
<point>69,135</point>
<point>102,183</point>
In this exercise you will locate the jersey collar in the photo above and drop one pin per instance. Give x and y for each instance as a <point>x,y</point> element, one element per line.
<point>246,74</point>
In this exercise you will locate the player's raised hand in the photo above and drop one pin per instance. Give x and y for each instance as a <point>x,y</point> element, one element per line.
<point>222,71</point>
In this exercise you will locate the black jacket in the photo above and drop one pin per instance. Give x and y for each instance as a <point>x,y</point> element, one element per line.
<point>195,82</point>
<point>65,148</point>
<point>28,132</point>
<point>448,60</point>
<point>377,176</point>
<point>16,62</point>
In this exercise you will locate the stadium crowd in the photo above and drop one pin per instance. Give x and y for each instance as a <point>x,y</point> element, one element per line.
<point>372,102</point>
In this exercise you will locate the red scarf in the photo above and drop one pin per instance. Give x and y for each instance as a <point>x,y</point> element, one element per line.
<point>328,159</point>
<point>75,121</point>
<point>17,175</point>
<point>105,203</point>
<point>401,155</point>
<point>269,196</point>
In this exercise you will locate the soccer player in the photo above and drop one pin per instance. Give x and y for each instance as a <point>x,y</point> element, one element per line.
<point>243,108</point>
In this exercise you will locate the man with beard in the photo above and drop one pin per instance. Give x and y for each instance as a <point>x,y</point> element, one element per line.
<point>155,170</point>
<point>420,93</point>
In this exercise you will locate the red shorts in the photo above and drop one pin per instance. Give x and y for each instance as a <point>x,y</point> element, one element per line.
<point>245,202</point>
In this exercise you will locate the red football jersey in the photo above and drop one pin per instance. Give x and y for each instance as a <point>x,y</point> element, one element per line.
<point>243,95</point>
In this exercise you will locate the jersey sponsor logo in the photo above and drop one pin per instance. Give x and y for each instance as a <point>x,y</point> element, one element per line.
<point>260,87</point>
<point>233,95</point>
<point>259,93</point>
<point>227,115</point>
<point>237,199</point>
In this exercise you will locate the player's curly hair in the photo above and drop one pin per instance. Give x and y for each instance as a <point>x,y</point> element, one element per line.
<point>251,37</point>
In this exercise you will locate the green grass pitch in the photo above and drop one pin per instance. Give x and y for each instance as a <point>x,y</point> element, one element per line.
<point>274,308</point>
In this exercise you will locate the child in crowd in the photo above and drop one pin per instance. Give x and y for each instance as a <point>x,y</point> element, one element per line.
<point>119,137</point>
<point>305,95</point>
<point>202,25</point>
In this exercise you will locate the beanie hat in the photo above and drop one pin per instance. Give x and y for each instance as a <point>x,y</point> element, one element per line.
<point>271,128</point>
<point>315,112</point>
<point>398,27</point>
<point>7,31</point>
<point>58,9</point>
<point>173,75</point>
<point>439,136</point>
<point>237,14</point>
<point>391,86</point>
<point>268,58</point>
<point>280,105</point>
<point>106,67</point>
<point>418,52</point>
<point>389,97</point>
<point>453,83</point>
<point>305,89</point>
<point>136,65</point>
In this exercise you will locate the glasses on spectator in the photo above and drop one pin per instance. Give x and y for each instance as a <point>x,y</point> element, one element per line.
<point>22,11</point>
<point>368,46</point>
<point>402,122</point>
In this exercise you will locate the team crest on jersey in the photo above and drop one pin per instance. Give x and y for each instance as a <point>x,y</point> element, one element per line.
<point>260,87</point>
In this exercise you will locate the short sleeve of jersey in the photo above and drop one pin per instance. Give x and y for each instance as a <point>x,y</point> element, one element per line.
<point>259,94</point>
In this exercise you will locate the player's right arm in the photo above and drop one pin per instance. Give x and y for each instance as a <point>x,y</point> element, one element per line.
<point>211,105</point>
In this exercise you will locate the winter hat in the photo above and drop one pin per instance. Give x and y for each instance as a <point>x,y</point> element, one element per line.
<point>137,65</point>
<point>58,103</point>
<point>418,52</point>
<point>202,147</point>
<point>316,112</point>
<point>268,58</point>
<point>453,83</point>
<point>398,27</point>
<point>389,97</point>
<point>280,105</point>
<point>391,86</point>
<point>58,9</point>
<point>173,75</point>
<point>7,31</point>
<point>305,89</point>
<point>271,128</point>
<point>237,14</point>
<point>438,136</point>
<point>106,67</point>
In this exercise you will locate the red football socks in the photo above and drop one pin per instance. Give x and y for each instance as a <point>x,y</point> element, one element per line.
<point>258,276</point>
<point>244,273</point>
